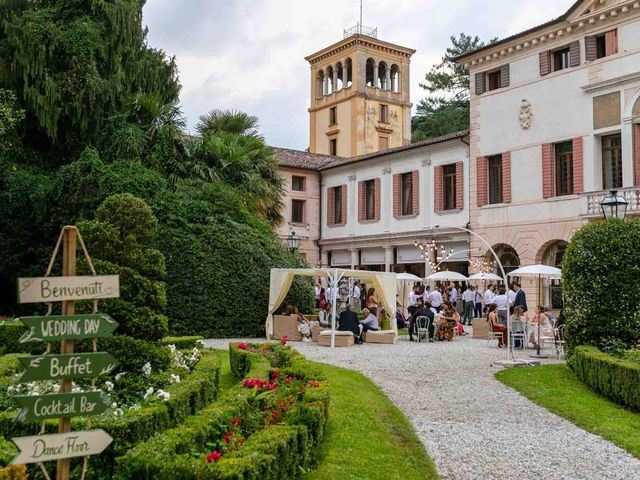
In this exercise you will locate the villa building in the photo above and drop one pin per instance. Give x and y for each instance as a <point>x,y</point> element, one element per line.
<point>555,124</point>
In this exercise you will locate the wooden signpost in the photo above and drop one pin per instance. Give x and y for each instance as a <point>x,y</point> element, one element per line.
<point>67,365</point>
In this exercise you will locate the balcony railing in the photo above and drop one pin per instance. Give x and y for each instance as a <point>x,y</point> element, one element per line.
<point>360,29</point>
<point>631,195</point>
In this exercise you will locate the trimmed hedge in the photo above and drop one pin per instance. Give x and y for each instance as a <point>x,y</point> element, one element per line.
<point>193,393</point>
<point>10,333</point>
<point>280,451</point>
<point>615,378</point>
<point>182,343</point>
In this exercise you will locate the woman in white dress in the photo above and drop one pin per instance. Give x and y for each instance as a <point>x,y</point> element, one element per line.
<point>546,329</point>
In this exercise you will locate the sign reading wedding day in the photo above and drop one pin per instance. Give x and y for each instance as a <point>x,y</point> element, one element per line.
<point>58,289</point>
<point>43,448</point>
<point>64,327</point>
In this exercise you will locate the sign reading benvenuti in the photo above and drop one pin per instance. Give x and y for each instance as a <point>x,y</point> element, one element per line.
<point>58,289</point>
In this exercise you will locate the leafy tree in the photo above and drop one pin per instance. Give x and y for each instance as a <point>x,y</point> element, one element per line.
<point>232,150</point>
<point>75,63</point>
<point>446,108</point>
<point>10,117</point>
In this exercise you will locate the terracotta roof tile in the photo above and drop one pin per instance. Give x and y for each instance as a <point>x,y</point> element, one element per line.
<point>299,159</point>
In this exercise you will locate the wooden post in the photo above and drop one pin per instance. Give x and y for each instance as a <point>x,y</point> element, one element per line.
<point>69,250</point>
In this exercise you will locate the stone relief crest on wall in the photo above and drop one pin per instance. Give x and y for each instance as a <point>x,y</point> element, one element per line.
<point>526,114</point>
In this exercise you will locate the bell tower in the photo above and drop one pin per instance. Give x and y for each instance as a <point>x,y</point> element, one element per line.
<point>360,99</point>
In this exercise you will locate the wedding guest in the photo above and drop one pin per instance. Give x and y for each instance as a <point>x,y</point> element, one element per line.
<point>492,318</point>
<point>372,301</point>
<point>324,317</point>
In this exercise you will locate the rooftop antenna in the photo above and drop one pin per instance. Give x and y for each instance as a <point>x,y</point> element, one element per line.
<point>360,29</point>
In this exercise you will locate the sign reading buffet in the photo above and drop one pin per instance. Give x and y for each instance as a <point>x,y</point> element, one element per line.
<point>71,365</point>
<point>58,289</point>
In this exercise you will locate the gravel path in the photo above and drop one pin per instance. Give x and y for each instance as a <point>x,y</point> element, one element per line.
<point>473,426</point>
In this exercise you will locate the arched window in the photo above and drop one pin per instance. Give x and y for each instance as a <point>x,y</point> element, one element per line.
<point>383,76</point>
<point>329,81</point>
<point>320,84</point>
<point>395,78</point>
<point>348,67</point>
<point>339,78</point>
<point>508,257</point>
<point>552,256</point>
<point>369,72</point>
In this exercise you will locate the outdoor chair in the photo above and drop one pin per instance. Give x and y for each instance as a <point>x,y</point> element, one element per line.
<point>493,335</point>
<point>518,333</point>
<point>422,327</point>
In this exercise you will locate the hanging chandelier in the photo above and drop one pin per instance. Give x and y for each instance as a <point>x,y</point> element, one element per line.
<point>481,265</point>
<point>433,253</point>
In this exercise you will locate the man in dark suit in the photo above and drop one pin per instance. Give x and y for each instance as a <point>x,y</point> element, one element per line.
<point>521,298</point>
<point>348,322</point>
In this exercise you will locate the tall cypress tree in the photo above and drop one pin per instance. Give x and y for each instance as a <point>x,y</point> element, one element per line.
<point>74,63</point>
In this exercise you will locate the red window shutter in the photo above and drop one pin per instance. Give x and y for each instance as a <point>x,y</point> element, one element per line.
<point>415,192</point>
<point>459,185</point>
<point>591,48</point>
<point>611,42</point>
<point>636,156</point>
<point>437,189</point>
<point>376,201</point>
<point>506,177</point>
<point>578,168</point>
<point>330,200</point>
<point>545,63</point>
<point>344,204</point>
<point>547,170</point>
<point>574,54</point>
<point>481,175</point>
<point>397,212</point>
<point>361,202</point>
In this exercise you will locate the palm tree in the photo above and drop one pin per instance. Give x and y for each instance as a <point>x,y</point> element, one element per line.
<point>232,150</point>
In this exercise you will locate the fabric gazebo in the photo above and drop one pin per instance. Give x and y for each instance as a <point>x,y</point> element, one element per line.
<point>281,279</point>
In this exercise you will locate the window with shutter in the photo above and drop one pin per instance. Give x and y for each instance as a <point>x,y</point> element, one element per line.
<point>547,170</point>
<point>481,171</point>
<point>449,186</point>
<point>495,178</point>
<point>506,177</point>
<point>612,162</point>
<point>561,59</point>
<point>480,83</point>
<point>494,80</point>
<point>574,54</point>
<point>505,75</point>
<point>407,194</point>
<point>611,42</point>
<point>591,48</point>
<point>545,63</point>
<point>337,205</point>
<point>370,200</point>
<point>563,168</point>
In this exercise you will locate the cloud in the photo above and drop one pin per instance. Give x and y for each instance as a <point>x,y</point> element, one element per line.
<point>249,54</point>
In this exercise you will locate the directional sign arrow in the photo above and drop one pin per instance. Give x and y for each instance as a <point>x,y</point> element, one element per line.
<point>58,405</point>
<point>64,327</point>
<point>43,448</point>
<point>71,365</point>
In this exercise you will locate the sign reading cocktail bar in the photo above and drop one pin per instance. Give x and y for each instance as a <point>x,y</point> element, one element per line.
<point>58,289</point>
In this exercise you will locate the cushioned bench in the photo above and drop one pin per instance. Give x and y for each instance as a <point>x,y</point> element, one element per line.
<point>380,336</point>
<point>286,325</point>
<point>343,339</point>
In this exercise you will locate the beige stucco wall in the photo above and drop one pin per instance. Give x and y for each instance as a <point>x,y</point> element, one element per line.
<point>309,230</point>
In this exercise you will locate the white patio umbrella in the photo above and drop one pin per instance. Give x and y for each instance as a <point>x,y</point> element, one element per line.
<point>539,271</point>
<point>485,276</point>
<point>408,277</point>
<point>447,275</point>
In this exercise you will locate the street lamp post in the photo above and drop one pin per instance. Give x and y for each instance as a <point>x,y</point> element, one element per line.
<point>614,206</point>
<point>293,241</point>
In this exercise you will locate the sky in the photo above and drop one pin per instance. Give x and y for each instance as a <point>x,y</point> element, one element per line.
<point>249,54</point>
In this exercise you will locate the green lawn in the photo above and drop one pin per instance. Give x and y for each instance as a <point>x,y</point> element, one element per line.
<point>368,437</point>
<point>557,388</point>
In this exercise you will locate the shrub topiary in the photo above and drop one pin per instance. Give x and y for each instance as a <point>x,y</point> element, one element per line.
<point>120,239</point>
<point>600,268</point>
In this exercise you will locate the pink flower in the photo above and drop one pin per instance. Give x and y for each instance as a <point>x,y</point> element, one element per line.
<point>275,374</point>
<point>213,456</point>
<point>242,346</point>
<point>283,340</point>
<point>288,380</point>
<point>235,421</point>
<point>227,437</point>
<point>313,383</point>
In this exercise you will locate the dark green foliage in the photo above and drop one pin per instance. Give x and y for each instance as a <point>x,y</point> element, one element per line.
<point>218,262</point>
<point>133,353</point>
<point>182,343</point>
<point>121,238</point>
<point>280,451</point>
<point>446,109</point>
<point>600,267</point>
<point>10,333</point>
<point>615,378</point>
<point>10,117</point>
<point>73,64</point>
